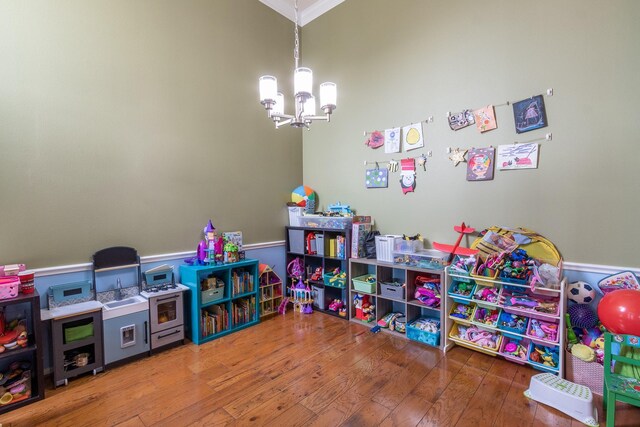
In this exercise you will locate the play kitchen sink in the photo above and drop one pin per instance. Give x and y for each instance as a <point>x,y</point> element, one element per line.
<point>125,319</point>
<point>124,307</point>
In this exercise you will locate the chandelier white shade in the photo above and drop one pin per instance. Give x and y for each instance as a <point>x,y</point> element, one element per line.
<point>305,102</point>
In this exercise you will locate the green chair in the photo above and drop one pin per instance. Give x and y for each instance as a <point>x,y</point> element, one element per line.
<point>623,383</point>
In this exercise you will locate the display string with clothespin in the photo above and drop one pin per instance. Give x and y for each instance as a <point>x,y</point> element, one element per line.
<point>369,134</point>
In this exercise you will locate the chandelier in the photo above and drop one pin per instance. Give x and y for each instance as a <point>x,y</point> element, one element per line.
<point>305,102</point>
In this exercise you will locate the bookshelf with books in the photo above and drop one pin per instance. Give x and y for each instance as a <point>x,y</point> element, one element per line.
<point>321,252</point>
<point>213,313</point>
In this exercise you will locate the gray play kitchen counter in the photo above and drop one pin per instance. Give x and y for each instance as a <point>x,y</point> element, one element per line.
<point>76,339</point>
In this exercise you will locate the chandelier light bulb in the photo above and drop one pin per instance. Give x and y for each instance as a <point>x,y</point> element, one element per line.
<point>328,95</point>
<point>268,89</point>
<point>309,106</point>
<point>278,107</point>
<point>303,81</point>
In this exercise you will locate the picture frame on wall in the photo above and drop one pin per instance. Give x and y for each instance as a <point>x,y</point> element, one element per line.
<point>529,114</point>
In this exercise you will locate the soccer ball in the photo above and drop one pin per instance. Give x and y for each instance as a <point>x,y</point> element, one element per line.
<point>581,292</point>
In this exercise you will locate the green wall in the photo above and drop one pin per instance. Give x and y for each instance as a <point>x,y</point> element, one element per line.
<point>397,62</point>
<point>133,122</point>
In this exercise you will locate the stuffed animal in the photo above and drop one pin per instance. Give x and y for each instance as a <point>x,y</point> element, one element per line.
<point>583,352</point>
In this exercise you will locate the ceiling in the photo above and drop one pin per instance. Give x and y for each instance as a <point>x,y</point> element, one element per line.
<point>308,10</point>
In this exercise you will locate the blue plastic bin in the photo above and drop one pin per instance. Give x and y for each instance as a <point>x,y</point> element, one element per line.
<point>424,337</point>
<point>505,317</point>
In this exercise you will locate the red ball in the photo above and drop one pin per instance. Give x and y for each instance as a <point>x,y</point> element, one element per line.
<point>619,312</point>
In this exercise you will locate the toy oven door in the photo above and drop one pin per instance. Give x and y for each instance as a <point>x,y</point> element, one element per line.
<point>166,311</point>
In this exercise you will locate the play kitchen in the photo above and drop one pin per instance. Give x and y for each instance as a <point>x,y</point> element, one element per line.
<point>116,317</point>
<point>166,308</point>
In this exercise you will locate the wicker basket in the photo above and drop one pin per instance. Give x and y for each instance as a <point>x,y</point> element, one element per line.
<point>590,374</point>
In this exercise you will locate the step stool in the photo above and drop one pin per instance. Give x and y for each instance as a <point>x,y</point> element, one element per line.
<point>573,399</point>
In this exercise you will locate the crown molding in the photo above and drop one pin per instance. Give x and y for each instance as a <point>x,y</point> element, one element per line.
<point>305,15</point>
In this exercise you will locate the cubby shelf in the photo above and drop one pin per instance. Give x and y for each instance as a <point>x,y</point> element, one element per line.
<point>408,305</point>
<point>29,304</point>
<point>318,248</point>
<point>200,316</point>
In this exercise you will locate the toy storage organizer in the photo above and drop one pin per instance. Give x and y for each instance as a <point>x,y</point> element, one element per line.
<point>391,288</point>
<point>515,329</point>
<point>321,251</point>
<point>235,307</point>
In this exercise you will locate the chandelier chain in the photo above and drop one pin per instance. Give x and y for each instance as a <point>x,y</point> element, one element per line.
<point>296,48</point>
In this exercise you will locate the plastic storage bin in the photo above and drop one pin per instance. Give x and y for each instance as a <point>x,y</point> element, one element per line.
<point>461,291</point>
<point>401,245</point>
<point>485,316</point>
<point>329,222</point>
<point>421,330</point>
<point>9,287</point>
<point>428,258</point>
<point>365,284</point>
<point>385,246</point>
<point>541,331</point>
<point>515,350</point>
<point>508,322</point>
<point>539,364</point>
<point>392,290</point>
<point>462,311</point>
<point>331,280</point>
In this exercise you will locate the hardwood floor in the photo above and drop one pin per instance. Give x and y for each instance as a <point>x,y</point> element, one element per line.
<point>303,370</point>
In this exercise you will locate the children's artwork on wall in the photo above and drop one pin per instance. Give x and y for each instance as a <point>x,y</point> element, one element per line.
<point>375,139</point>
<point>408,175</point>
<point>461,120</point>
<point>518,156</point>
<point>480,164</point>
<point>376,178</point>
<point>412,137</point>
<point>422,161</point>
<point>529,114</point>
<point>485,118</point>
<point>457,156</point>
<point>392,140</point>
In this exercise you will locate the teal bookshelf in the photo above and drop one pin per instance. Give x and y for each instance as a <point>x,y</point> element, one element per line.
<point>215,313</point>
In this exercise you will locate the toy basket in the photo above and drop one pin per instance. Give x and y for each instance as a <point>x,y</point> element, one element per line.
<point>506,318</point>
<point>541,366</point>
<point>522,344</point>
<point>488,273</point>
<point>363,284</point>
<point>480,298</point>
<point>332,280</point>
<point>416,333</point>
<point>480,311</point>
<point>454,334</point>
<point>458,294</point>
<point>590,374</point>
<point>211,295</point>
<point>393,290</point>
<point>532,334</point>
<point>456,314</point>
<point>9,287</point>
<point>462,272</point>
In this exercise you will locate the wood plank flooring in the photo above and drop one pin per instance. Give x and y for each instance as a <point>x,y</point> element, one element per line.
<point>303,370</point>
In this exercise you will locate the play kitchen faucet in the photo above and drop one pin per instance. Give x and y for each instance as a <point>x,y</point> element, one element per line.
<point>118,289</point>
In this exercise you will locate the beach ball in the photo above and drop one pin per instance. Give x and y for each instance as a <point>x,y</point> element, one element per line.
<point>303,195</point>
<point>619,312</point>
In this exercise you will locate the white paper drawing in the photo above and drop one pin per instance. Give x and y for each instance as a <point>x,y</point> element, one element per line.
<point>412,137</point>
<point>517,156</point>
<point>392,140</point>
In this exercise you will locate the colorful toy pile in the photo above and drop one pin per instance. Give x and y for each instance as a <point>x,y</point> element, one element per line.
<point>428,291</point>
<point>15,383</point>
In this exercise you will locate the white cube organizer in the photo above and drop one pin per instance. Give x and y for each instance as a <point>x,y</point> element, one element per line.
<point>573,399</point>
